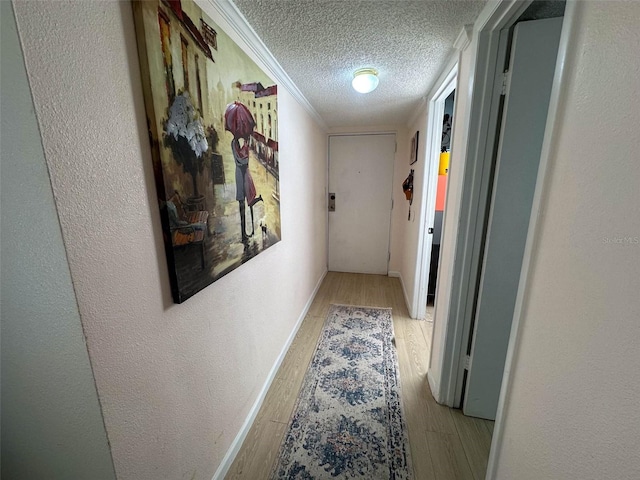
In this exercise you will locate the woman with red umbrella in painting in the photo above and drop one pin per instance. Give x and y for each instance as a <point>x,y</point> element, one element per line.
<point>239,121</point>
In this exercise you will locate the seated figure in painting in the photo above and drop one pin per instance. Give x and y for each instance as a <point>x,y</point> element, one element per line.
<point>186,227</point>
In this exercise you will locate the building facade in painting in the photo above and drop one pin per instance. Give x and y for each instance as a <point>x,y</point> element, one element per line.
<point>262,103</point>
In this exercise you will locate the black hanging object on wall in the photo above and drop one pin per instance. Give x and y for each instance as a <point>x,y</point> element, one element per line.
<point>407,187</point>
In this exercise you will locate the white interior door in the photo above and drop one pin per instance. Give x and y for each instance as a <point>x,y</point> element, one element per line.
<point>360,177</point>
<point>531,69</point>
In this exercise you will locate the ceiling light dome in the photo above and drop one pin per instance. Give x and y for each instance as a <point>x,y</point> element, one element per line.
<point>365,80</point>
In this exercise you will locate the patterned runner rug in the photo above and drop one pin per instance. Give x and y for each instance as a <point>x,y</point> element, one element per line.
<point>347,422</point>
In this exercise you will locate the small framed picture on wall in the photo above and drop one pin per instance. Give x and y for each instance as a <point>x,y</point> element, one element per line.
<point>414,149</point>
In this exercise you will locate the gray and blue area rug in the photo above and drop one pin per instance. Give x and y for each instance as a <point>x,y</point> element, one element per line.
<point>348,422</point>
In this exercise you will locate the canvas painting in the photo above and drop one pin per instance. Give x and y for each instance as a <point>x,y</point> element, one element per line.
<point>414,149</point>
<point>212,115</point>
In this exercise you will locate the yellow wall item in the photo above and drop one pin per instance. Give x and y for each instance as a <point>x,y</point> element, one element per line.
<point>444,163</point>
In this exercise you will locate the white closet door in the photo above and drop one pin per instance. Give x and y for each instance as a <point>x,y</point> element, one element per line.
<point>532,66</point>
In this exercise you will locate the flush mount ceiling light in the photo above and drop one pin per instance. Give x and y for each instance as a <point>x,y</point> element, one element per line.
<point>365,80</point>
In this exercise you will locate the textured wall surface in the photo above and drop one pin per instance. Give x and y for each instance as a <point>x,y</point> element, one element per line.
<point>175,381</point>
<point>409,225</point>
<point>51,421</point>
<point>321,43</point>
<point>572,410</point>
<point>400,204</point>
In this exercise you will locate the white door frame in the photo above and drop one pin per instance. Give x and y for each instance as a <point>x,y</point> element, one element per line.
<point>473,206</point>
<point>435,113</point>
<point>475,192</point>
<point>497,15</point>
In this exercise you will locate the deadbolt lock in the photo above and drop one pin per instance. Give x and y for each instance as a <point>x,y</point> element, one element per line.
<point>332,202</point>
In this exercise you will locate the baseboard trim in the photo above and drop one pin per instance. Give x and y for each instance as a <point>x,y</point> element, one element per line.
<point>395,274</point>
<point>435,387</point>
<point>230,456</point>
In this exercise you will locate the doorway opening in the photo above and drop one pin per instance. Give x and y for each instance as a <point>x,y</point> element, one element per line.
<point>440,128</point>
<point>481,180</point>
<point>485,171</point>
<point>441,189</point>
<point>488,217</point>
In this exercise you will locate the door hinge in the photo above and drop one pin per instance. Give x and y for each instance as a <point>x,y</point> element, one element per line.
<point>467,362</point>
<point>392,204</point>
<point>506,77</point>
<point>389,256</point>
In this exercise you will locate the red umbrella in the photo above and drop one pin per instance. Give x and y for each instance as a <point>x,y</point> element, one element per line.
<point>238,120</point>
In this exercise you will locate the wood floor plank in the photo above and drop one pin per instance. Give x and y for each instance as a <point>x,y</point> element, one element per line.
<point>279,402</point>
<point>321,302</point>
<point>429,313</point>
<point>299,355</point>
<point>413,403</point>
<point>448,457</point>
<point>254,461</point>
<point>436,417</point>
<point>441,443</point>
<point>426,328</point>
<point>489,424</point>
<point>476,442</point>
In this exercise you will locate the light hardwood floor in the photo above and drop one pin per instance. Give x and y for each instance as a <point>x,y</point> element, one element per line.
<point>444,443</point>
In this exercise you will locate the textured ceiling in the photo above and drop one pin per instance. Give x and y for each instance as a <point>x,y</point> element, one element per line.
<point>319,43</point>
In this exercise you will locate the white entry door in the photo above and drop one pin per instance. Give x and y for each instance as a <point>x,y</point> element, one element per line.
<point>532,66</point>
<point>360,179</point>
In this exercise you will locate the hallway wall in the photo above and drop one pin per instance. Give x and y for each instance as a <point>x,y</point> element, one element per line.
<point>176,382</point>
<point>51,421</point>
<point>405,233</point>
<point>572,408</point>
<point>400,203</point>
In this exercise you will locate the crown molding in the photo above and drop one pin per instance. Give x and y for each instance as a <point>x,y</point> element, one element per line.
<point>238,22</point>
<point>464,38</point>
